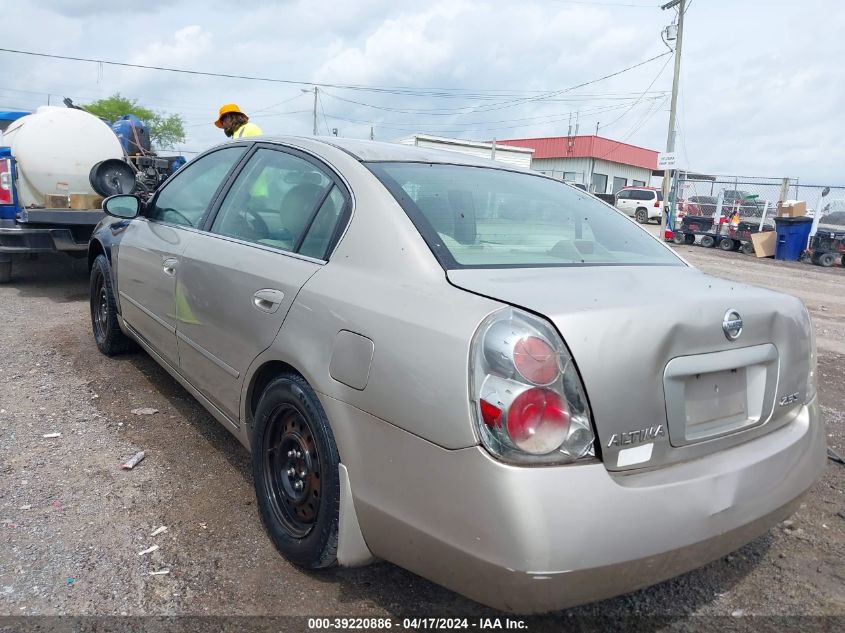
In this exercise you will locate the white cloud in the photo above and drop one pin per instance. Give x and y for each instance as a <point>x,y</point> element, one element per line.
<point>762,90</point>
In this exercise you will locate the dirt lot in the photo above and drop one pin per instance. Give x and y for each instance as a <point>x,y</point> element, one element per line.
<point>72,523</point>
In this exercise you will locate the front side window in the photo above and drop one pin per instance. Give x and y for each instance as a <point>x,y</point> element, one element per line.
<point>186,198</point>
<point>476,217</point>
<point>282,201</point>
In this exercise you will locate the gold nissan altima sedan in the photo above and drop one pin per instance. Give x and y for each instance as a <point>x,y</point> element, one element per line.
<point>481,374</point>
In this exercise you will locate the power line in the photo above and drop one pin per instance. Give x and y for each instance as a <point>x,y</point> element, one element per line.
<point>430,92</point>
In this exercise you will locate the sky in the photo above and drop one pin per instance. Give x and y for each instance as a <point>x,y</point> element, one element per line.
<point>762,90</point>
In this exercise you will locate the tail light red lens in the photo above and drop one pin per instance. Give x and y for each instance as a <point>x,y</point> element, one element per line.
<point>657,204</point>
<point>5,181</point>
<point>538,421</point>
<point>529,403</point>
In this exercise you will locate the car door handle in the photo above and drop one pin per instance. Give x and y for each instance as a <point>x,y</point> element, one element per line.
<point>268,300</point>
<point>168,265</point>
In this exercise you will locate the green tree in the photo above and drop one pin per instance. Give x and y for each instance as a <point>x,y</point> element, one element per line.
<point>166,130</point>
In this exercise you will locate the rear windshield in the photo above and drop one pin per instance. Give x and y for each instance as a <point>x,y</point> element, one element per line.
<point>477,217</point>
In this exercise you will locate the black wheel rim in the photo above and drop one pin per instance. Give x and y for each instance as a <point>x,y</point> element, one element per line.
<point>292,475</point>
<point>100,307</point>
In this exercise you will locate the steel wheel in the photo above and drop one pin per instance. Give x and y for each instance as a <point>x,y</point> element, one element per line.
<point>295,466</point>
<point>292,471</point>
<point>104,317</point>
<point>726,244</point>
<point>707,241</point>
<point>100,307</point>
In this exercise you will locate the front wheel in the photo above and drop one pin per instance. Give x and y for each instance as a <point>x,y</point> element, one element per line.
<point>641,216</point>
<point>295,471</point>
<point>107,333</point>
<point>747,248</point>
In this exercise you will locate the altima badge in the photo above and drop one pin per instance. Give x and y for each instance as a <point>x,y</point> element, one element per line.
<point>732,325</point>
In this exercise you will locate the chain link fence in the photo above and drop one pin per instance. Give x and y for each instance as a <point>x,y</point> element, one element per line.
<point>752,197</point>
<point>721,207</point>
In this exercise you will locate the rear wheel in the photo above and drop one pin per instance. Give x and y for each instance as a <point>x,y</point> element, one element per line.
<point>708,241</point>
<point>827,259</point>
<point>679,238</point>
<point>747,248</point>
<point>107,333</point>
<point>689,239</point>
<point>295,471</point>
<point>726,244</point>
<point>641,216</point>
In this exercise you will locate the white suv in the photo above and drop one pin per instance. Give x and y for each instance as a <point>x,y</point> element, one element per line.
<point>644,203</point>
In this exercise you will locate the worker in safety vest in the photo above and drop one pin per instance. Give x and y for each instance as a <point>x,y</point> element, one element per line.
<point>234,123</point>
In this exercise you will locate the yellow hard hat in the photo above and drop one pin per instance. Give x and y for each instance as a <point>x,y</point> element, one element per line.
<point>226,109</point>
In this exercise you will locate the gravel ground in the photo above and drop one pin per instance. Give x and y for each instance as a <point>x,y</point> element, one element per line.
<point>72,523</point>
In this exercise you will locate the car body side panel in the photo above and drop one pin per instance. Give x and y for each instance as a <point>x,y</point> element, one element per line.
<point>149,264</point>
<point>220,326</point>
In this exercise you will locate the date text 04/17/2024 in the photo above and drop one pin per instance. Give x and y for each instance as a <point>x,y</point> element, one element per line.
<point>419,624</point>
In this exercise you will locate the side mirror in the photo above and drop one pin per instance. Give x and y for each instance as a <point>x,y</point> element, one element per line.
<point>122,206</point>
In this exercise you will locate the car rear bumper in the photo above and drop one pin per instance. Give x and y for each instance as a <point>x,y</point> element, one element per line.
<point>539,539</point>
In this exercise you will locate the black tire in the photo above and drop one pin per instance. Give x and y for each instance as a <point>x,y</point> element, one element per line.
<point>689,239</point>
<point>293,444</point>
<point>827,259</point>
<point>708,241</point>
<point>726,244</point>
<point>107,333</point>
<point>747,248</point>
<point>5,272</point>
<point>641,216</point>
<point>679,238</point>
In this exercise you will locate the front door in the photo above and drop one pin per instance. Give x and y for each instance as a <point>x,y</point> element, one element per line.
<point>239,277</point>
<point>150,250</point>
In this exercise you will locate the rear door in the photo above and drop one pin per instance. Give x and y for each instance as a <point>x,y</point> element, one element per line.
<point>150,250</point>
<point>239,277</point>
<point>623,201</point>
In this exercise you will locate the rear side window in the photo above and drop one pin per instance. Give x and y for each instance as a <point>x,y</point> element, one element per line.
<point>477,217</point>
<point>282,201</point>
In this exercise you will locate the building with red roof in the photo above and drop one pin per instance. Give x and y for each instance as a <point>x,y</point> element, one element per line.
<point>601,164</point>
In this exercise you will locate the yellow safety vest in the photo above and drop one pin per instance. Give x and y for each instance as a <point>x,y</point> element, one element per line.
<point>247,129</point>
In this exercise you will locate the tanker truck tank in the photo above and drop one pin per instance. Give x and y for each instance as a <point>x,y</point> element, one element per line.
<point>55,149</point>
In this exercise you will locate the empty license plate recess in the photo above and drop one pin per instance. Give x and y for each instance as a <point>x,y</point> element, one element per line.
<point>710,395</point>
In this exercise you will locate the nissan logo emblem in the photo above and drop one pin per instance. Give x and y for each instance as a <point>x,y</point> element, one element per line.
<point>732,325</point>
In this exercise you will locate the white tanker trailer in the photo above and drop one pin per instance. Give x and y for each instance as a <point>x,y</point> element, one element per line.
<point>56,158</point>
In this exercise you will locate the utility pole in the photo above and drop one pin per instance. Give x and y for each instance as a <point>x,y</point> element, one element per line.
<point>670,139</point>
<point>315,110</point>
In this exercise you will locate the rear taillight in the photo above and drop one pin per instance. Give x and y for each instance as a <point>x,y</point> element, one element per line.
<point>528,400</point>
<point>812,373</point>
<point>5,181</point>
<point>657,204</point>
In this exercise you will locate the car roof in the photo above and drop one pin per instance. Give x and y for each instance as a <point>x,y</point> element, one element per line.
<point>379,151</point>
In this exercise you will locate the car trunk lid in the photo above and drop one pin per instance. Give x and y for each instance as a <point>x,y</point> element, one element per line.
<point>664,380</point>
